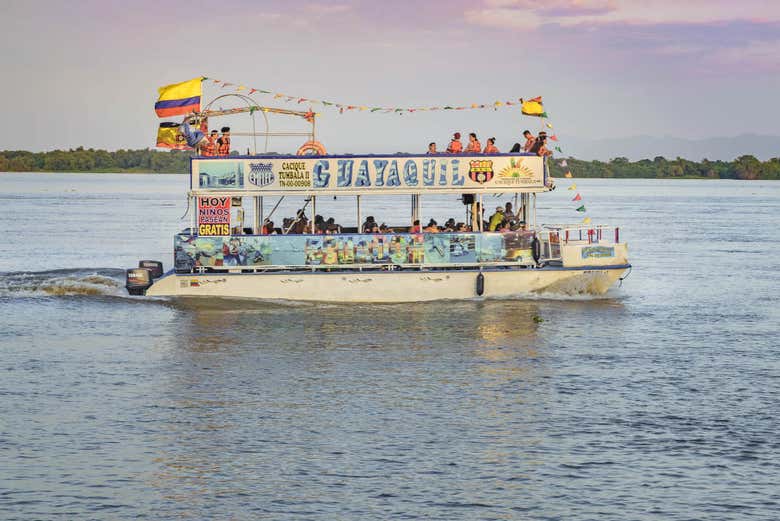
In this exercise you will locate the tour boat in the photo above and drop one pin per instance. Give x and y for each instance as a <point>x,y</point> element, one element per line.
<point>224,254</point>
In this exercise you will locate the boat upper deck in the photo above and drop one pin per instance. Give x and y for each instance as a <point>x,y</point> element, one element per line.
<point>259,175</point>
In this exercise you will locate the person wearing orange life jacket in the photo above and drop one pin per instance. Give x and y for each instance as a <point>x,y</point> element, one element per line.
<point>208,147</point>
<point>223,143</point>
<point>474,146</point>
<point>490,148</point>
<point>455,146</point>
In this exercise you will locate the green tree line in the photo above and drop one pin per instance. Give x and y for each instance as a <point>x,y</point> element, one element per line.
<point>177,162</point>
<point>744,167</point>
<point>90,160</point>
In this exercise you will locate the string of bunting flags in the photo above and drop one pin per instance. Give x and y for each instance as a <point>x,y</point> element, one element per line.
<point>568,175</point>
<point>529,107</point>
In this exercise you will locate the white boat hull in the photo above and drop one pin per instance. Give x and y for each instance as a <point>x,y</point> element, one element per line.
<point>389,286</point>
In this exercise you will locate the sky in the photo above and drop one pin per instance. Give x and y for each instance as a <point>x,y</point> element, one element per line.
<point>86,73</point>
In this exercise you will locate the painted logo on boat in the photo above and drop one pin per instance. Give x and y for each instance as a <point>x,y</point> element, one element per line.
<point>597,252</point>
<point>481,170</point>
<point>516,173</point>
<point>261,174</point>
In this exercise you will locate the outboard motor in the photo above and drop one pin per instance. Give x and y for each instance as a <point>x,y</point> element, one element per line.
<point>138,280</point>
<point>156,267</point>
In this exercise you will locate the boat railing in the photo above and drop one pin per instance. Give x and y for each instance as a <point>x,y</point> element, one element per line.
<point>551,237</point>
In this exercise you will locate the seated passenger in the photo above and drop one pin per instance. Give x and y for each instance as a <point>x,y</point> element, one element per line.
<point>461,227</point>
<point>474,146</point>
<point>432,148</point>
<point>415,227</point>
<point>331,226</point>
<point>449,226</point>
<point>540,146</point>
<point>529,142</point>
<point>496,219</point>
<point>268,228</point>
<point>455,146</point>
<point>368,225</point>
<point>432,227</point>
<point>490,148</point>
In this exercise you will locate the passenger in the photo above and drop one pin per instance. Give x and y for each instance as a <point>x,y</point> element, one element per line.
<point>331,226</point>
<point>449,226</point>
<point>432,227</point>
<point>415,226</point>
<point>474,146</point>
<point>508,213</point>
<point>490,148</point>
<point>455,146</point>
<point>540,146</point>
<point>368,225</point>
<point>432,148</point>
<point>496,219</point>
<point>462,228</point>
<point>268,228</point>
<point>208,147</point>
<point>223,143</point>
<point>529,141</point>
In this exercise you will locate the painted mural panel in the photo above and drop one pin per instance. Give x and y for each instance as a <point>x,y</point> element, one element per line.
<point>193,252</point>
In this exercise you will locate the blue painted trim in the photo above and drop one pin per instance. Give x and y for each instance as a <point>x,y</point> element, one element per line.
<point>407,270</point>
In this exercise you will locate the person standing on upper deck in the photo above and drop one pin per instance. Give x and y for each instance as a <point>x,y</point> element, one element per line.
<point>223,143</point>
<point>455,146</point>
<point>208,147</point>
<point>490,148</point>
<point>529,141</point>
<point>474,146</point>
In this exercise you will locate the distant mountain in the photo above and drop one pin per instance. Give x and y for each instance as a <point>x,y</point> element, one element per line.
<point>648,147</point>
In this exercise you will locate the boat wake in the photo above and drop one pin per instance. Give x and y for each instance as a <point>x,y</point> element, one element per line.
<point>62,283</point>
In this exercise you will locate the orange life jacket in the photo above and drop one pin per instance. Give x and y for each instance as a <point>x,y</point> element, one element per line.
<point>455,147</point>
<point>223,146</point>
<point>208,146</point>
<point>490,149</point>
<point>474,147</point>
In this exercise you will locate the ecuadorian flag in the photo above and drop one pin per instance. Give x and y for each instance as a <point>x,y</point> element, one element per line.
<point>179,98</point>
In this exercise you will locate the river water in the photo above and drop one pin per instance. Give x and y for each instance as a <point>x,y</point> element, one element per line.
<point>659,400</point>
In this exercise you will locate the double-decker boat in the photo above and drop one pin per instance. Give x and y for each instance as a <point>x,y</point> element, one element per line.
<point>223,255</point>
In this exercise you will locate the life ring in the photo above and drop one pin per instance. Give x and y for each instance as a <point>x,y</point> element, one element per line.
<point>536,249</point>
<point>311,148</point>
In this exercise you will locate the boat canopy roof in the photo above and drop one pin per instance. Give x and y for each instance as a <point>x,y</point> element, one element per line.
<point>367,174</point>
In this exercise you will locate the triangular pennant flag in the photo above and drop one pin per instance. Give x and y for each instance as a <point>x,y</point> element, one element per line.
<point>563,163</point>
<point>252,91</point>
<point>553,138</point>
<point>559,149</point>
<point>241,87</point>
<point>548,125</point>
<point>568,175</point>
<point>581,208</point>
<point>577,197</point>
<point>573,187</point>
<point>586,220</point>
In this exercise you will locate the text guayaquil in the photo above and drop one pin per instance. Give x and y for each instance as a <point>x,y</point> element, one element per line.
<point>365,173</point>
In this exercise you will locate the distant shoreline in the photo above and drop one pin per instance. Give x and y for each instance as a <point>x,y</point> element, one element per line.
<point>148,161</point>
